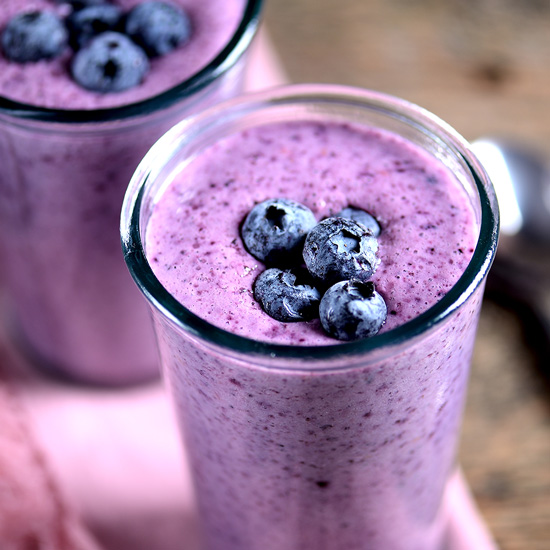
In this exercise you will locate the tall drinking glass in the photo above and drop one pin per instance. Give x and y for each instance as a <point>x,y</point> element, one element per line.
<point>345,446</point>
<point>64,172</point>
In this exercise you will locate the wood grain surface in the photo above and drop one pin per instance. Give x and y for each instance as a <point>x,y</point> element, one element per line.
<point>484,67</point>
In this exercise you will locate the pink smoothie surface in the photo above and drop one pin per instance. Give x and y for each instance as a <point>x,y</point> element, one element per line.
<point>429,230</point>
<point>49,84</point>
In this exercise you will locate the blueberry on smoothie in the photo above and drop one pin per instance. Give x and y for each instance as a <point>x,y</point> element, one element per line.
<point>111,62</point>
<point>361,216</point>
<point>350,310</point>
<point>32,36</point>
<point>339,249</point>
<point>85,24</point>
<point>287,295</point>
<point>274,231</point>
<point>158,27</point>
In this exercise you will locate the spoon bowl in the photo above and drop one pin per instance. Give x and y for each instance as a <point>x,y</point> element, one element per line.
<point>521,178</point>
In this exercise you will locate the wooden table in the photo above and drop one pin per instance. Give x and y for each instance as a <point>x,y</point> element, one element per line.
<point>484,67</point>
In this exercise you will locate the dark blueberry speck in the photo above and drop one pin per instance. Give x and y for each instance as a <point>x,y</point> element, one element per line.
<point>339,249</point>
<point>87,23</point>
<point>287,295</point>
<point>158,27</point>
<point>111,62</point>
<point>351,310</point>
<point>274,231</point>
<point>32,36</point>
<point>361,216</point>
<point>81,4</point>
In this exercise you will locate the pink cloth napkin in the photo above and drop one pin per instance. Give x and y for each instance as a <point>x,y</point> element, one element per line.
<point>115,456</point>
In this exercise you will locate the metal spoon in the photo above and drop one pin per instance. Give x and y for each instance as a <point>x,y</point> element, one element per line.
<point>521,271</point>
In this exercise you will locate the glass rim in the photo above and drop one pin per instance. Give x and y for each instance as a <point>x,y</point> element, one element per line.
<point>223,61</point>
<point>186,320</point>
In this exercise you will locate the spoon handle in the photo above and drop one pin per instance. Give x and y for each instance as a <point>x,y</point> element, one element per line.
<point>527,294</point>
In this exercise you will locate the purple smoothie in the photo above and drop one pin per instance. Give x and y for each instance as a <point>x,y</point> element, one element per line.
<point>429,228</point>
<point>62,183</point>
<point>316,444</point>
<point>48,84</point>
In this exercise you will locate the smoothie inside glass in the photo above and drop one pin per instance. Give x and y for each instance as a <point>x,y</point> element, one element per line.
<point>297,441</point>
<point>67,155</point>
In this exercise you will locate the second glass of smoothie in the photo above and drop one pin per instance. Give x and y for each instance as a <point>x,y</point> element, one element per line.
<point>297,441</point>
<point>67,155</point>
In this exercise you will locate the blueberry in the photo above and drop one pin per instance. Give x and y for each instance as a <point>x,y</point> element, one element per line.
<point>111,62</point>
<point>351,310</point>
<point>274,231</point>
<point>87,23</point>
<point>287,295</point>
<point>361,216</point>
<point>158,27</point>
<point>338,249</point>
<point>33,36</point>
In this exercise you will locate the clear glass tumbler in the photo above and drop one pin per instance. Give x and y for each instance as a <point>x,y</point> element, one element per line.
<point>64,173</point>
<point>347,446</point>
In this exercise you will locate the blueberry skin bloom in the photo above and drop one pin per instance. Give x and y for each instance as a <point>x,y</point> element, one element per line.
<point>361,216</point>
<point>158,27</point>
<point>88,22</point>
<point>33,36</point>
<point>351,310</point>
<point>339,249</point>
<point>274,231</point>
<point>287,296</point>
<point>111,62</point>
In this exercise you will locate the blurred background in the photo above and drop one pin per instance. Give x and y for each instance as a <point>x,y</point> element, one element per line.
<point>484,67</point>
